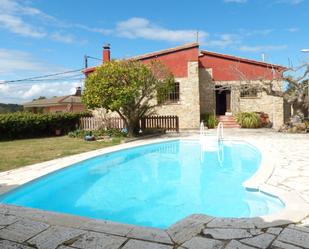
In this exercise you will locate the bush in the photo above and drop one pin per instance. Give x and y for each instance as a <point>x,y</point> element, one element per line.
<point>97,133</point>
<point>248,119</point>
<point>28,124</point>
<point>209,120</point>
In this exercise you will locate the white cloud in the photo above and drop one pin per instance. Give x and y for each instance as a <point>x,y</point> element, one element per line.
<point>266,48</point>
<point>235,1</point>
<point>11,13</point>
<point>95,30</point>
<point>223,40</point>
<point>292,30</point>
<point>12,61</point>
<point>293,2</point>
<point>16,17</point>
<point>62,37</point>
<point>136,27</point>
<point>263,32</point>
<point>21,93</point>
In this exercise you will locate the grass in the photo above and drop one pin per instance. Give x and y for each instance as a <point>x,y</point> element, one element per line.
<point>18,153</point>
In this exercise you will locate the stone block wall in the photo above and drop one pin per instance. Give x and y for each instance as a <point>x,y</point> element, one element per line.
<point>271,105</point>
<point>207,93</point>
<point>188,107</point>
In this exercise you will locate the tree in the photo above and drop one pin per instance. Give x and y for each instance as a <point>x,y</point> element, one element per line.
<point>128,88</point>
<point>292,86</point>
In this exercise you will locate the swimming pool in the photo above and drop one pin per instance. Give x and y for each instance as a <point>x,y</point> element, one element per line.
<point>154,185</point>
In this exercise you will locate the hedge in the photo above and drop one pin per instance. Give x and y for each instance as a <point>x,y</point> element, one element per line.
<point>29,125</point>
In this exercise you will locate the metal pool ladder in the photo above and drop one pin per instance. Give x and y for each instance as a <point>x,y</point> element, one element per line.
<point>220,131</point>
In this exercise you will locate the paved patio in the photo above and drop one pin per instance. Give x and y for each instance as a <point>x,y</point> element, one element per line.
<point>29,228</point>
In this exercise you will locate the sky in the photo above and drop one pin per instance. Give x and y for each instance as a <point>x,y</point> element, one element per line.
<point>39,37</point>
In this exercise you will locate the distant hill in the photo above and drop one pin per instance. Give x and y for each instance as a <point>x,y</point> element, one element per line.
<point>5,108</point>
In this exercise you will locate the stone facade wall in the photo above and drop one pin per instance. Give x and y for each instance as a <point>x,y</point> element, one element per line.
<point>271,105</point>
<point>207,94</point>
<point>188,107</point>
<point>64,108</point>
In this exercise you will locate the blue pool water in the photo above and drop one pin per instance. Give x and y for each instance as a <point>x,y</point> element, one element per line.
<point>154,185</point>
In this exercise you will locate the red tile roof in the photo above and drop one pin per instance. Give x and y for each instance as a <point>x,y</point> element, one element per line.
<point>54,101</point>
<point>153,54</point>
<point>165,51</point>
<point>240,59</point>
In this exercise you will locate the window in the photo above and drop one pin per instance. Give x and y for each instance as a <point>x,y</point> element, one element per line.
<point>171,96</point>
<point>249,93</point>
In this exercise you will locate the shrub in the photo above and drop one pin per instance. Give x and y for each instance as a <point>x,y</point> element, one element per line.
<point>97,133</point>
<point>248,119</point>
<point>28,125</point>
<point>209,120</point>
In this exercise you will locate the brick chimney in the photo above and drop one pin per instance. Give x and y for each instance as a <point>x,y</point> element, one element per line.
<point>78,91</point>
<point>106,53</point>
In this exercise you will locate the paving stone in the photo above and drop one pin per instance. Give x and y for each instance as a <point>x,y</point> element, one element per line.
<point>5,244</point>
<point>260,241</point>
<point>152,234</point>
<point>22,230</point>
<point>280,245</point>
<point>255,231</point>
<point>299,228</point>
<point>231,223</point>
<point>188,228</point>
<point>6,219</point>
<point>294,237</point>
<point>234,244</point>
<point>54,237</point>
<point>94,240</point>
<point>203,243</point>
<point>138,244</point>
<point>274,230</point>
<point>226,233</point>
<point>107,227</point>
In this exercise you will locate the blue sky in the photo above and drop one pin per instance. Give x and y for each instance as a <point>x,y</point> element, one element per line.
<point>40,36</point>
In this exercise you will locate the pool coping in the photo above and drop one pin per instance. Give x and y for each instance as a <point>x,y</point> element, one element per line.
<point>295,209</point>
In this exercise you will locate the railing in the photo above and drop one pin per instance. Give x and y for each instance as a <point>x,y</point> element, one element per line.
<point>169,123</point>
<point>202,129</point>
<point>220,131</point>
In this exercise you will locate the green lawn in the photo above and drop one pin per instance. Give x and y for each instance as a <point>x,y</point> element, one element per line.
<point>18,153</point>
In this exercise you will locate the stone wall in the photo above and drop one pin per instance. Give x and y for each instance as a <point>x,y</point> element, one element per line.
<point>188,107</point>
<point>271,105</point>
<point>207,94</point>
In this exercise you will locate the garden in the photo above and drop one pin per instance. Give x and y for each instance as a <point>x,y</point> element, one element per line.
<point>28,138</point>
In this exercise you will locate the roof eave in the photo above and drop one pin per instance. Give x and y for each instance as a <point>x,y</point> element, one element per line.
<point>236,58</point>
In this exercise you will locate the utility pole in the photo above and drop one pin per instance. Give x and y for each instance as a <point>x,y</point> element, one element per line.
<point>85,61</point>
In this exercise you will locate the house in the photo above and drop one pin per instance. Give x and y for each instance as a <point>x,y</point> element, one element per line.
<point>69,103</point>
<point>208,82</point>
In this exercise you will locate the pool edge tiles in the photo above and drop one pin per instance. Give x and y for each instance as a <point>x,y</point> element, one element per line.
<point>157,141</point>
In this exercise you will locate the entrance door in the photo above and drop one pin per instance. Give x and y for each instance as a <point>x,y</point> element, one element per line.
<point>223,101</point>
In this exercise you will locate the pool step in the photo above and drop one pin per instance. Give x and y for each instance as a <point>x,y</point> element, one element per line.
<point>228,121</point>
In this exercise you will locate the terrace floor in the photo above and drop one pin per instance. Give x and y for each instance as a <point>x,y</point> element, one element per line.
<point>27,228</point>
